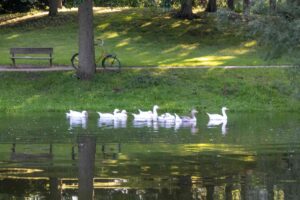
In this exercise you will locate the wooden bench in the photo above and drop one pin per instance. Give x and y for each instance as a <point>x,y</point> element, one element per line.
<point>28,53</point>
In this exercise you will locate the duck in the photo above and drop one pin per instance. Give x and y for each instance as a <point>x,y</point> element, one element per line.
<point>121,115</point>
<point>190,119</point>
<point>218,116</point>
<point>108,115</point>
<point>77,114</point>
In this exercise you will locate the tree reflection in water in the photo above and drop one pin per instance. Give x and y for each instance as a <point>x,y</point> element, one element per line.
<point>86,166</point>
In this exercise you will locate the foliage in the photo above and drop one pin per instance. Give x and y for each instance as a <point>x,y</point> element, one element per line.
<point>279,30</point>
<point>13,6</point>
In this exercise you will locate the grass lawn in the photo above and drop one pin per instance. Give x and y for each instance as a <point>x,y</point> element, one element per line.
<point>140,37</point>
<point>174,90</point>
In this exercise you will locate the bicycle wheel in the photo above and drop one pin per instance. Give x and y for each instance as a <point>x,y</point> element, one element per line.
<point>111,61</point>
<point>75,61</point>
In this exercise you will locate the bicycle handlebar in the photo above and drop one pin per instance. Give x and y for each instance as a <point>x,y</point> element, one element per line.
<point>99,42</point>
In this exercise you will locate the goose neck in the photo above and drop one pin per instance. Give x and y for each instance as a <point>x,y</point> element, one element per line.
<point>224,114</point>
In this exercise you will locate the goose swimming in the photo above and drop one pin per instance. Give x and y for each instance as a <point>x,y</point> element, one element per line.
<point>218,116</point>
<point>77,114</point>
<point>121,115</point>
<point>108,115</point>
<point>190,119</point>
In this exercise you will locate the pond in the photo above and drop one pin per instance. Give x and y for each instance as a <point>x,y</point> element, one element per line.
<point>252,156</point>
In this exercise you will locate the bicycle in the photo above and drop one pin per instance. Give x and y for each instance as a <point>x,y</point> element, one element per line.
<point>104,60</point>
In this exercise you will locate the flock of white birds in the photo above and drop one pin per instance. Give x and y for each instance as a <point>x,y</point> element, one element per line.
<point>119,118</point>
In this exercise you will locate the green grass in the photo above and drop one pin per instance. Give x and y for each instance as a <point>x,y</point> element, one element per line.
<point>140,37</point>
<point>174,90</point>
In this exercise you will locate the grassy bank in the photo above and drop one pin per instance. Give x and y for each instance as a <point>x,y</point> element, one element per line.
<point>174,90</point>
<point>140,37</point>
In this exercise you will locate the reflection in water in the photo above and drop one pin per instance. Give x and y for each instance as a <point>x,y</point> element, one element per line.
<point>155,125</point>
<point>254,161</point>
<point>112,123</point>
<point>213,123</point>
<point>77,122</point>
<point>86,165</point>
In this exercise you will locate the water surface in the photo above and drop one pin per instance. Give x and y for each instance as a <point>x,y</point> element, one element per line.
<point>252,156</point>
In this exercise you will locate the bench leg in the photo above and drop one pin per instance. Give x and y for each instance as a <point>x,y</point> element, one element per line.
<point>14,62</point>
<point>50,62</point>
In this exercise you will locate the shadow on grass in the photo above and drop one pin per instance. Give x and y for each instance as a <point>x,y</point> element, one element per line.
<point>140,37</point>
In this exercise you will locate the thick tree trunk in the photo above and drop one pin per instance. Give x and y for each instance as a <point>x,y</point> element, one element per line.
<point>86,166</point>
<point>53,10</point>
<point>59,4</point>
<point>230,4</point>
<point>272,5</point>
<point>246,7</point>
<point>186,11</point>
<point>211,6</point>
<point>86,41</point>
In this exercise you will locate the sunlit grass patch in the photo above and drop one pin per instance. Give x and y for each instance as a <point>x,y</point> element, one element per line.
<point>139,37</point>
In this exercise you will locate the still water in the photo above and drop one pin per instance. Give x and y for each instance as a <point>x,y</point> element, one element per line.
<point>252,156</point>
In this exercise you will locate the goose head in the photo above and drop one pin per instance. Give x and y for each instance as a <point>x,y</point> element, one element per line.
<point>155,107</point>
<point>116,110</point>
<point>224,108</point>
<point>84,113</point>
<point>193,112</point>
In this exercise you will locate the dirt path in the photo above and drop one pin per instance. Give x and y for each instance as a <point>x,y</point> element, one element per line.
<point>69,68</point>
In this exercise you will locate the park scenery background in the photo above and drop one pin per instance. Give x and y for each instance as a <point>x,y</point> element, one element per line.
<point>147,36</point>
<point>178,55</point>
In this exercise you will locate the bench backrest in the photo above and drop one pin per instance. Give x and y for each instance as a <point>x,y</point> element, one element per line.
<point>31,50</point>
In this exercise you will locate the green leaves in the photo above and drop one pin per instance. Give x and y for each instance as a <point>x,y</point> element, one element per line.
<point>77,2</point>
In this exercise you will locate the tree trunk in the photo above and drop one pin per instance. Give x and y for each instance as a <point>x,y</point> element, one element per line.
<point>59,4</point>
<point>86,166</point>
<point>186,11</point>
<point>272,5</point>
<point>246,7</point>
<point>86,41</point>
<point>230,4</point>
<point>211,6</point>
<point>53,10</point>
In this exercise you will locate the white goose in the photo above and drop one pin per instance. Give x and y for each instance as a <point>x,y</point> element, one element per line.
<point>147,115</point>
<point>190,119</point>
<point>154,112</point>
<point>77,114</point>
<point>178,120</point>
<point>142,117</point>
<point>169,118</point>
<point>218,116</point>
<point>121,116</point>
<point>108,115</point>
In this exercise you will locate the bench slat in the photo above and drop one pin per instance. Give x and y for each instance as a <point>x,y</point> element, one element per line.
<point>31,50</point>
<point>33,58</point>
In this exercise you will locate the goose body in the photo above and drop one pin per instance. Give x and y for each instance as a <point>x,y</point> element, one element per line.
<point>142,117</point>
<point>77,114</point>
<point>218,116</point>
<point>167,117</point>
<point>108,115</point>
<point>121,115</point>
<point>188,118</point>
<point>178,120</point>
<point>147,115</point>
